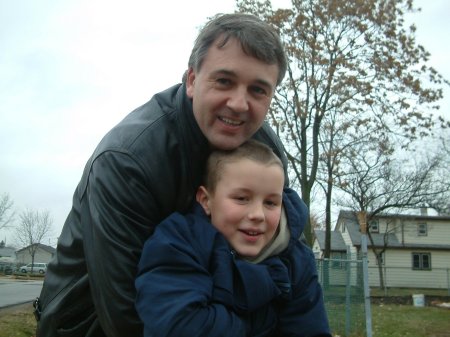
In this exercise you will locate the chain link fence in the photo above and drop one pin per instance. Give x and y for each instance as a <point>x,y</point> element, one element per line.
<point>342,282</point>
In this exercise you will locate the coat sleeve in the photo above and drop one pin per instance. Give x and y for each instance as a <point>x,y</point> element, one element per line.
<point>304,315</point>
<point>117,213</point>
<point>175,289</point>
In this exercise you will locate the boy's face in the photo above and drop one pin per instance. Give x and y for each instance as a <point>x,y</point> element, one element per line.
<point>246,205</point>
<point>231,94</point>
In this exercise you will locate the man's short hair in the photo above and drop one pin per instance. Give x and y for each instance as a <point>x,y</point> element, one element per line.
<point>257,38</point>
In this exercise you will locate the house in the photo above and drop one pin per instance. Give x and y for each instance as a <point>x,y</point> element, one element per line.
<point>7,254</point>
<point>338,245</point>
<point>414,249</point>
<point>43,254</point>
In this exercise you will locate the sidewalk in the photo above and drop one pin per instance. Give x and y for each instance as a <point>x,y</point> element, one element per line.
<point>21,278</point>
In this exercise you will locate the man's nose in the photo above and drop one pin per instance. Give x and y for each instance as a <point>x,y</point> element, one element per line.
<point>238,100</point>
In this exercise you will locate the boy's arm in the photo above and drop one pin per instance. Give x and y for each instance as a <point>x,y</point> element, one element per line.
<point>304,314</point>
<point>175,288</point>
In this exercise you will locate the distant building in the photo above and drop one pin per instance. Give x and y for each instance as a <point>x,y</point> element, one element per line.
<point>43,254</point>
<point>7,254</point>
<point>416,247</point>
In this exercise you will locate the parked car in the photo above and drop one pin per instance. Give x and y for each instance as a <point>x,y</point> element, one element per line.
<point>40,268</point>
<point>6,269</point>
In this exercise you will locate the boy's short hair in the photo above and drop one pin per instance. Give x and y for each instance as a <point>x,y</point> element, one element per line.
<point>251,149</point>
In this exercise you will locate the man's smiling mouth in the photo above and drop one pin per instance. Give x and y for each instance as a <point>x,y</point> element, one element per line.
<point>231,122</point>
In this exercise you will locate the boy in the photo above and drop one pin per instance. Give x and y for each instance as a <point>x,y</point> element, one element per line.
<point>247,274</point>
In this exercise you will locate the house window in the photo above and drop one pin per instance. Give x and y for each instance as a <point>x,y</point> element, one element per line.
<point>381,258</point>
<point>373,226</point>
<point>421,261</point>
<point>422,229</point>
<point>336,260</point>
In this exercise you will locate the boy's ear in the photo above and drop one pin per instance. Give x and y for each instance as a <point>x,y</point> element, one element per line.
<point>202,198</point>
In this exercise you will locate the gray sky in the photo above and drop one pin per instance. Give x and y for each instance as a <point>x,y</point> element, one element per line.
<point>70,70</point>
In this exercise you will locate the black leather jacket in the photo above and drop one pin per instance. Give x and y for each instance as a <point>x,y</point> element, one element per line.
<point>145,168</point>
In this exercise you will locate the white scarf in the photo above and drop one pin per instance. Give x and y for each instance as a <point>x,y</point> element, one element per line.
<point>279,242</point>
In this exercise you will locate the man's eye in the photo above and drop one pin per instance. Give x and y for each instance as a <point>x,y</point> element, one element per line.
<point>223,81</point>
<point>259,90</point>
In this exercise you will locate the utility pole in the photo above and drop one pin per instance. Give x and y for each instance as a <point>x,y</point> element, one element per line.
<point>362,219</point>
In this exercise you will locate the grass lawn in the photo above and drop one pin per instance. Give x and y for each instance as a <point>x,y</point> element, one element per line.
<point>17,321</point>
<point>407,320</point>
<point>387,321</point>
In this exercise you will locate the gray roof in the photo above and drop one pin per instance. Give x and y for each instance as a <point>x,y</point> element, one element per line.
<point>337,242</point>
<point>7,252</point>
<point>49,249</point>
<point>352,227</point>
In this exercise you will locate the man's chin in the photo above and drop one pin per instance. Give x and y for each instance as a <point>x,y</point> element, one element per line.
<point>227,143</point>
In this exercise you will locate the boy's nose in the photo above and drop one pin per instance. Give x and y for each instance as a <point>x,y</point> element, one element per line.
<point>256,212</point>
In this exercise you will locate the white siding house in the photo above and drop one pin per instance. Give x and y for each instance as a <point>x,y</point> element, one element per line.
<point>7,254</point>
<point>415,248</point>
<point>43,254</point>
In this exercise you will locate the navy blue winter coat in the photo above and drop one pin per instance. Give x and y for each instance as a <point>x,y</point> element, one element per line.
<point>190,283</point>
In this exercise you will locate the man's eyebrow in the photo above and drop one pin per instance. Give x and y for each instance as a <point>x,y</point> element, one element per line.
<point>231,73</point>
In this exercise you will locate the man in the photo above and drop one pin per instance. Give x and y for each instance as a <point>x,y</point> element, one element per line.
<point>149,166</point>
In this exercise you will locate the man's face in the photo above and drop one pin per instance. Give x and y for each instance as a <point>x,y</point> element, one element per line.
<point>231,94</point>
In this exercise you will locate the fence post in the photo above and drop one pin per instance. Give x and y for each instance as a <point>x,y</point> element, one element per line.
<point>363,227</point>
<point>448,281</point>
<point>348,289</point>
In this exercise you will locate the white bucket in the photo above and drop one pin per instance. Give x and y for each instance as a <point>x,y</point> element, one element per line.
<point>418,300</point>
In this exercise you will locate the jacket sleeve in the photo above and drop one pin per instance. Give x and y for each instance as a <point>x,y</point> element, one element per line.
<point>175,288</point>
<point>304,315</point>
<point>116,212</point>
<point>267,135</point>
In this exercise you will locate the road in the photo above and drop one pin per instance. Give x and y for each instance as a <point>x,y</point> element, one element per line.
<point>14,291</point>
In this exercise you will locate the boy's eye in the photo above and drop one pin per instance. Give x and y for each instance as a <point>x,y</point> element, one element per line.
<point>272,203</point>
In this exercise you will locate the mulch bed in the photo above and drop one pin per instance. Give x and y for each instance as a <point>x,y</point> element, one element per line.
<point>407,300</point>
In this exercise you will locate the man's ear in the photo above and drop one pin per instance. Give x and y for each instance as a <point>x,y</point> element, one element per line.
<point>190,82</point>
<point>202,198</point>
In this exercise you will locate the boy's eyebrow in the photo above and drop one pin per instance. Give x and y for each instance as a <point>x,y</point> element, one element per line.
<point>231,73</point>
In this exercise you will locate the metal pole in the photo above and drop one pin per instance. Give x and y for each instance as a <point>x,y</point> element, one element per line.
<point>363,227</point>
<point>348,287</point>
<point>448,281</point>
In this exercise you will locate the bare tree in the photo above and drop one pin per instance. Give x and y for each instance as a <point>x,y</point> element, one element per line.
<point>33,228</point>
<point>6,211</point>
<point>441,202</point>
<point>356,58</point>
<point>335,142</point>
<point>377,182</point>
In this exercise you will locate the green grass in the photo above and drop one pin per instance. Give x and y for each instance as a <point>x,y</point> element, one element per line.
<point>410,321</point>
<point>17,321</point>
<point>387,321</point>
